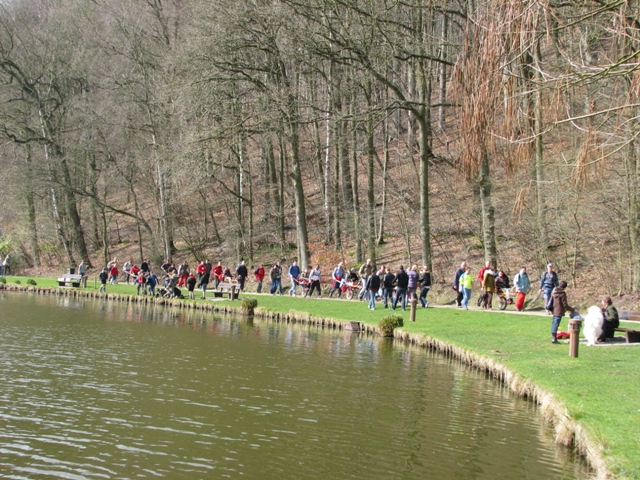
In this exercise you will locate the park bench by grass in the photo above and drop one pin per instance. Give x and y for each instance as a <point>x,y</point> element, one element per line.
<point>632,335</point>
<point>227,289</point>
<point>67,278</point>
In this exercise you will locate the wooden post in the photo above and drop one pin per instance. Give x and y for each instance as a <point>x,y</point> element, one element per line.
<point>574,337</point>
<point>414,304</point>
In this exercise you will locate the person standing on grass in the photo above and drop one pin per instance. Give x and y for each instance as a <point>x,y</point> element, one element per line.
<point>259,275</point>
<point>365,270</point>
<point>336,280</point>
<point>191,285</point>
<point>523,285</point>
<point>314,280</point>
<point>412,285</point>
<point>276,279</point>
<point>488,287</point>
<point>217,273</point>
<point>560,307</point>
<point>141,281</point>
<point>456,283</point>
<point>425,286</point>
<point>242,273</point>
<point>466,283</point>
<point>373,285</point>
<point>103,276</point>
<point>388,281</point>
<point>484,268</point>
<point>183,274</point>
<point>6,265</point>
<point>294,275</point>
<point>548,282</point>
<point>204,281</point>
<point>82,271</point>
<point>113,274</point>
<point>127,270</point>
<point>402,282</point>
<point>152,282</point>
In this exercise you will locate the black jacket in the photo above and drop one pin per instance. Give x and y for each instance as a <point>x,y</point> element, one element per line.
<point>389,278</point>
<point>374,282</point>
<point>403,279</point>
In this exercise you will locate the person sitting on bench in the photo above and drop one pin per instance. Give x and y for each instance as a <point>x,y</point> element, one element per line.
<point>611,319</point>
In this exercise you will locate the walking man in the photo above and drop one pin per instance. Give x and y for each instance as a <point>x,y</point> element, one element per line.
<point>456,283</point>
<point>294,275</point>
<point>336,280</point>
<point>365,270</point>
<point>548,282</point>
<point>560,306</point>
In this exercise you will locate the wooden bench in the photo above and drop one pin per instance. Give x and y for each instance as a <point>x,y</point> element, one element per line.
<point>629,315</point>
<point>68,278</point>
<point>227,289</point>
<point>633,336</point>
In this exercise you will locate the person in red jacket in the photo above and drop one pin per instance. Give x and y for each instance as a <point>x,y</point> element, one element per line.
<point>113,274</point>
<point>134,272</point>
<point>259,274</point>
<point>201,269</point>
<point>218,273</point>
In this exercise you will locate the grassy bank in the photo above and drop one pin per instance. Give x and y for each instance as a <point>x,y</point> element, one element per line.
<point>600,389</point>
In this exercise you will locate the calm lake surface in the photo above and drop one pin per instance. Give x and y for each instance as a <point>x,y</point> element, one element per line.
<point>93,389</point>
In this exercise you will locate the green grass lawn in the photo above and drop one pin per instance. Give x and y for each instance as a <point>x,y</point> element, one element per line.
<point>600,389</point>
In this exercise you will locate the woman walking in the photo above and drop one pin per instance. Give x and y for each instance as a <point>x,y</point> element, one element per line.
<point>314,279</point>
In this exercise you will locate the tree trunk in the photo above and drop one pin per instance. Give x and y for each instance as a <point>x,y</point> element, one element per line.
<point>443,73</point>
<point>94,207</point>
<point>74,216</point>
<point>632,178</point>
<point>371,202</point>
<point>425,157</point>
<point>296,179</point>
<point>385,167</point>
<point>31,215</point>
<point>357,228</point>
<point>487,210</point>
<point>280,220</point>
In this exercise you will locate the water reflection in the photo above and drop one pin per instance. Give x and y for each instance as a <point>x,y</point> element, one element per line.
<point>103,390</point>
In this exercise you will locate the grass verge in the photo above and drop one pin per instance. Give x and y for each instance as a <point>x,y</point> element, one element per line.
<point>600,389</point>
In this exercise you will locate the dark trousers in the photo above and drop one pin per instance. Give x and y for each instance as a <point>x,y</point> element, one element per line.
<point>423,295</point>
<point>387,296</point>
<point>315,284</point>
<point>400,293</point>
<point>608,331</point>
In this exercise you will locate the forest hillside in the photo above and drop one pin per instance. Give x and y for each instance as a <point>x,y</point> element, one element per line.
<point>417,132</point>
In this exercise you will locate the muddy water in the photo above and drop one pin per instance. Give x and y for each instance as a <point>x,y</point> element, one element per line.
<point>92,389</point>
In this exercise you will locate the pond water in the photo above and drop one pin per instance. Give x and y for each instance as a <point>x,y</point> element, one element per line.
<point>93,389</point>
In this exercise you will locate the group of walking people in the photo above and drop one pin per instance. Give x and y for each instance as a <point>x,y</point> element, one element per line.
<point>401,287</point>
<point>550,289</point>
<point>492,281</point>
<point>393,289</point>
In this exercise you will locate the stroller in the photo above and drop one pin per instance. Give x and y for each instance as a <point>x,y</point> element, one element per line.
<point>304,285</point>
<point>349,288</point>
